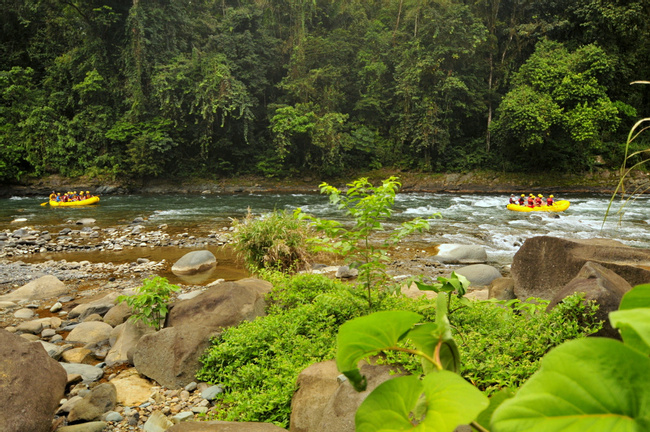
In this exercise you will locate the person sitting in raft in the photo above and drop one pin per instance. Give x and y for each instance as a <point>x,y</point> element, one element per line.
<point>538,200</point>
<point>52,196</point>
<point>88,195</point>
<point>522,200</point>
<point>512,199</point>
<point>531,201</point>
<point>58,197</point>
<point>549,200</point>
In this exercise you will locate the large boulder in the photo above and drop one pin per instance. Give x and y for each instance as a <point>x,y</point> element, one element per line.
<point>460,254</point>
<point>600,285</point>
<point>171,356</point>
<point>544,265</point>
<point>194,262</point>
<point>479,274</point>
<point>223,426</point>
<point>223,305</point>
<point>31,385</point>
<point>42,288</point>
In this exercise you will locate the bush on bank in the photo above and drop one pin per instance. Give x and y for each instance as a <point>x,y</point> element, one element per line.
<point>257,362</point>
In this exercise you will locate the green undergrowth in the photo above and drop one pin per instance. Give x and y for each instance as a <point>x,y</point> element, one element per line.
<point>257,362</point>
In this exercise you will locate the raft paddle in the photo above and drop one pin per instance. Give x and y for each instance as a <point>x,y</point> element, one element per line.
<point>45,203</point>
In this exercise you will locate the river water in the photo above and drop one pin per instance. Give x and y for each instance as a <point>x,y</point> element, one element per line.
<point>465,218</point>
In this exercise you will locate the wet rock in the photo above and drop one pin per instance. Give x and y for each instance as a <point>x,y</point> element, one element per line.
<point>194,262</point>
<point>85,221</point>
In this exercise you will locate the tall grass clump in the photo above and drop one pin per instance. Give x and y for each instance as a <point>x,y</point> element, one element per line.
<point>273,240</point>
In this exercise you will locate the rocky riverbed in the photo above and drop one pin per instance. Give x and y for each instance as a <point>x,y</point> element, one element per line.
<point>83,301</point>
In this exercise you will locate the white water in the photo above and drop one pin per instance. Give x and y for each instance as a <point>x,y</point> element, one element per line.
<point>466,218</point>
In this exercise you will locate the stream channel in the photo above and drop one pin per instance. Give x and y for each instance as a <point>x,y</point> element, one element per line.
<point>480,219</point>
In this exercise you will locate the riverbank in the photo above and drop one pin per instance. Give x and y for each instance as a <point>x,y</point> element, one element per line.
<point>598,181</point>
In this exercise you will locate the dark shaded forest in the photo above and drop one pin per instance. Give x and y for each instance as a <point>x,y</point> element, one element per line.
<point>139,89</point>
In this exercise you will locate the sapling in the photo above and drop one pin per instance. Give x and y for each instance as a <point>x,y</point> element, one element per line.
<point>149,304</point>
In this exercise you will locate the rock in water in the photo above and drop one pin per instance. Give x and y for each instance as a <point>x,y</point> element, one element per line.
<point>194,262</point>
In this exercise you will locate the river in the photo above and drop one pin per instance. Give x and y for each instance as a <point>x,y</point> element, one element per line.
<point>465,218</point>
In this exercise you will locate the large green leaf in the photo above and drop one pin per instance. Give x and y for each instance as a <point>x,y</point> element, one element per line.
<point>594,384</point>
<point>367,335</point>
<point>637,297</point>
<point>634,325</point>
<point>448,401</point>
<point>426,337</point>
<point>633,318</point>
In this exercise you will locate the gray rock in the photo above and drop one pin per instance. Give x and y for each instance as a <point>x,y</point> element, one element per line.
<point>479,274</point>
<point>211,392</point>
<point>42,288</point>
<point>182,416</point>
<point>157,422</point>
<point>113,416</point>
<point>85,221</point>
<point>100,306</point>
<point>54,350</point>
<point>24,313</point>
<point>191,386</point>
<point>99,400</point>
<point>88,373</point>
<point>345,272</point>
<point>32,327</point>
<point>96,426</point>
<point>171,356</point>
<point>195,262</point>
<point>90,332</point>
<point>460,254</point>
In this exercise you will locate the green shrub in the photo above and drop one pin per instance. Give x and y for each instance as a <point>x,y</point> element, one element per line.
<point>501,347</point>
<point>149,304</point>
<point>274,240</point>
<point>258,362</point>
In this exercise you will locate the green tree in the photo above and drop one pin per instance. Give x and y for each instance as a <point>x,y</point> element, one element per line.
<point>558,115</point>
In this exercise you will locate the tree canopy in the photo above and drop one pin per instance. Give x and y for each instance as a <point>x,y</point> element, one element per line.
<point>135,89</point>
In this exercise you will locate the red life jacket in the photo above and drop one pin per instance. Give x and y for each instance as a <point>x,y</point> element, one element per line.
<point>549,201</point>
<point>531,202</point>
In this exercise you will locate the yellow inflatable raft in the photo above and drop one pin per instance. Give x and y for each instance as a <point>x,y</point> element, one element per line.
<point>558,206</point>
<point>89,201</point>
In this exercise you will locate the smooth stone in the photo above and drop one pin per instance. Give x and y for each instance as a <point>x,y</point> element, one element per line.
<point>24,313</point>
<point>211,392</point>
<point>88,373</point>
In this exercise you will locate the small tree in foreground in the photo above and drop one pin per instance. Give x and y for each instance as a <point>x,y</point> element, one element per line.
<point>369,207</point>
<point>149,304</point>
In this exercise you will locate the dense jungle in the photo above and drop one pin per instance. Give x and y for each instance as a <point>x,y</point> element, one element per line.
<point>211,89</point>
